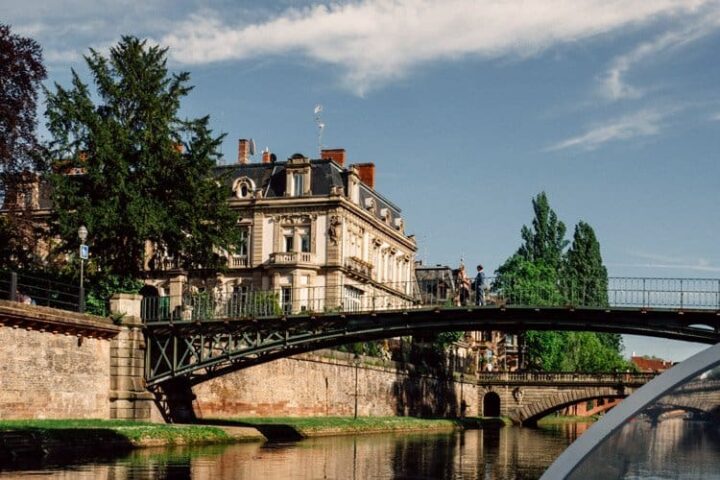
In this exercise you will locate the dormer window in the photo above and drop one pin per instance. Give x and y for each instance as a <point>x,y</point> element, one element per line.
<point>243,187</point>
<point>298,188</point>
<point>298,172</point>
<point>384,213</point>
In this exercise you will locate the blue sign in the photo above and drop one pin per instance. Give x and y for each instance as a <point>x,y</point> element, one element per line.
<point>84,252</point>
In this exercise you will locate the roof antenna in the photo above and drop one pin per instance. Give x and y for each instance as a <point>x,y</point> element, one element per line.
<point>320,125</point>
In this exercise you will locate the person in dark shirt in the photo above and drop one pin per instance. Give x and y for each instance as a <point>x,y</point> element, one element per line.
<point>480,286</point>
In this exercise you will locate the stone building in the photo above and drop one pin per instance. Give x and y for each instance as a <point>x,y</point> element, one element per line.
<point>316,233</point>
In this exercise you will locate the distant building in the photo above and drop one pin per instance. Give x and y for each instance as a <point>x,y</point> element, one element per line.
<point>650,365</point>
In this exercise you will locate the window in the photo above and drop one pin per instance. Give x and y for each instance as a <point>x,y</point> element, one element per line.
<point>289,247</point>
<point>243,246</point>
<point>286,299</point>
<point>304,240</point>
<point>353,299</point>
<point>298,184</point>
<point>243,187</point>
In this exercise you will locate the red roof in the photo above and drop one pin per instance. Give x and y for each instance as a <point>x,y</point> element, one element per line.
<point>651,364</point>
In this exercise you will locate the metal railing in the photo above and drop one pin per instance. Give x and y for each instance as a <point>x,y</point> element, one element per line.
<point>37,289</point>
<point>622,292</point>
<point>565,377</point>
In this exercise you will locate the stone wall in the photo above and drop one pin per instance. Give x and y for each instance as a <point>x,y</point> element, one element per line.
<point>53,375</point>
<point>319,385</point>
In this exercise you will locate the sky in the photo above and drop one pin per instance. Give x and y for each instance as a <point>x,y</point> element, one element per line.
<point>467,108</point>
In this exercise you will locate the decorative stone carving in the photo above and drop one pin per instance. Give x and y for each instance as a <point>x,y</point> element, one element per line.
<point>518,394</point>
<point>334,224</point>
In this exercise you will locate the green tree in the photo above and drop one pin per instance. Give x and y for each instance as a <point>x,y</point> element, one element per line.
<point>585,278</point>
<point>540,273</point>
<point>528,282</point>
<point>545,240</point>
<point>147,173</point>
<point>21,74</point>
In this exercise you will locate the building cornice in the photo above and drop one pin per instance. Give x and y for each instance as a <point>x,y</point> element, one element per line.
<point>324,202</point>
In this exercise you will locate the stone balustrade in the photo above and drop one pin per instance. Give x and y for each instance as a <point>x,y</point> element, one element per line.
<point>292,258</point>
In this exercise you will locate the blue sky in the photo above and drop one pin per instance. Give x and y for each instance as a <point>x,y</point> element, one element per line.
<point>467,108</point>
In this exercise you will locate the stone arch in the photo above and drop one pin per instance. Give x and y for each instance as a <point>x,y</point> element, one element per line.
<point>149,291</point>
<point>491,405</point>
<point>531,413</point>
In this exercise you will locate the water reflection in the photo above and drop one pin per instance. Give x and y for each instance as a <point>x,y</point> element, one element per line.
<point>675,448</point>
<point>506,453</point>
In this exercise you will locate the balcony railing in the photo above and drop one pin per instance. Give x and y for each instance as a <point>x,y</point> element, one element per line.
<point>292,258</point>
<point>238,261</point>
<point>359,266</point>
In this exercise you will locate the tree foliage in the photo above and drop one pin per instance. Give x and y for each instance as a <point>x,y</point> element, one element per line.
<point>543,273</point>
<point>21,74</point>
<point>147,174</point>
<point>585,277</point>
<point>545,240</point>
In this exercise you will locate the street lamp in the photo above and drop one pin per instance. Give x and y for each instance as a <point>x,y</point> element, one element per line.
<point>82,233</point>
<point>356,362</point>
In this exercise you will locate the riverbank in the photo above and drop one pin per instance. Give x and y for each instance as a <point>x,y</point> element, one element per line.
<point>28,438</point>
<point>553,420</point>
<point>33,438</point>
<point>297,428</point>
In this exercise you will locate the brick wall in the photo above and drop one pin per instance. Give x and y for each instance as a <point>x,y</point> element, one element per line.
<point>53,375</point>
<point>316,385</point>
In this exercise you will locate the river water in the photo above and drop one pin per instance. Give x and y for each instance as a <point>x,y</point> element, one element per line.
<point>505,453</point>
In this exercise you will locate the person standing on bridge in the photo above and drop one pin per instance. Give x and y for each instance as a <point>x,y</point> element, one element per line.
<point>463,285</point>
<point>480,287</point>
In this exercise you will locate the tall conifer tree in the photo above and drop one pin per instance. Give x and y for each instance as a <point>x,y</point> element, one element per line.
<point>147,172</point>
<point>21,74</point>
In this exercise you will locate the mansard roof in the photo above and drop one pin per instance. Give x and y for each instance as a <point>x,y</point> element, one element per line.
<point>325,174</point>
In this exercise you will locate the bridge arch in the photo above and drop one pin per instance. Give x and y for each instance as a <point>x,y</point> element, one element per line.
<point>530,414</point>
<point>491,404</point>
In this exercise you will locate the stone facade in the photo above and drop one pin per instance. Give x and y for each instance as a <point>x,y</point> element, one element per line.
<point>53,375</point>
<point>315,385</point>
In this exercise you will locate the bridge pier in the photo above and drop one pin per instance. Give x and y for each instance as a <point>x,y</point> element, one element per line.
<point>129,399</point>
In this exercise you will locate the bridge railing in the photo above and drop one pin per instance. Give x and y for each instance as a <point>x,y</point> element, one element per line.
<point>564,377</point>
<point>38,289</point>
<point>664,292</point>
<point>675,293</point>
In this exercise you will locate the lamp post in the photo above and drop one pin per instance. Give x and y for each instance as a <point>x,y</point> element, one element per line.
<point>356,362</point>
<point>82,233</point>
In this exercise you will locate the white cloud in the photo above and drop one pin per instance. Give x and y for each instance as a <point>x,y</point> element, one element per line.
<point>669,262</point>
<point>639,124</point>
<point>614,85</point>
<point>669,266</point>
<point>375,41</point>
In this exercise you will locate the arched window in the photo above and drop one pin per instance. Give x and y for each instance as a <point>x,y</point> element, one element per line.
<point>243,187</point>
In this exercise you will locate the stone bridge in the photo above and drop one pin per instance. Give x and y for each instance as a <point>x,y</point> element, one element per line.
<point>527,397</point>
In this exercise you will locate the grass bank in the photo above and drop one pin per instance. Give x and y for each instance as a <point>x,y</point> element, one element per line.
<point>42,438</point>
<point>553,420</point>
<point>296,428</point>
<point>28,436</point>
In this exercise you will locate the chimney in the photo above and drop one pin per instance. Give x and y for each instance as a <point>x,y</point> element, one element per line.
<point>366,172</point>
<point>337,155</point>
<point>267,156</point>
<point>243,151</point>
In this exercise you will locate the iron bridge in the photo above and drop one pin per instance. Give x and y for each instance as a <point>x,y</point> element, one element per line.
<point>200,336</point>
